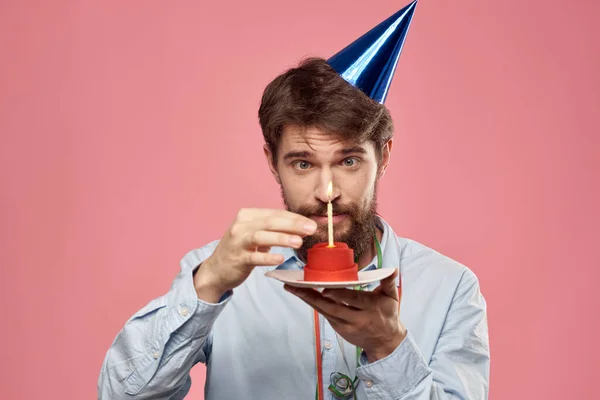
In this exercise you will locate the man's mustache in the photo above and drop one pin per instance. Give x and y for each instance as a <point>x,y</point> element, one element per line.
<point>321,210</point>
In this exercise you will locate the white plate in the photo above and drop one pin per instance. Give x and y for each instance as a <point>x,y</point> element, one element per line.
<point>295,278</point>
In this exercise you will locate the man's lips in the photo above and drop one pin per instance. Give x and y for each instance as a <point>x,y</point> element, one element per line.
<point>322,219</point>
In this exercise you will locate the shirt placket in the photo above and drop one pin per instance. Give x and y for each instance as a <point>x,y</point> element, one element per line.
<point>329,340</point>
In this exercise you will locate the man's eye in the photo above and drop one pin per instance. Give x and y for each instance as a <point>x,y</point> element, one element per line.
<point>350,162</point>
<point>302,165</point>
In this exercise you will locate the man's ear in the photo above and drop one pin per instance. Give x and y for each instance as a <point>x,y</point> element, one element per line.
<point>386,154</point>
<point>271,162</point>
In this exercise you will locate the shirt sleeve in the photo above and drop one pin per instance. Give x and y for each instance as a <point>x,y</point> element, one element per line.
<point>459,367</point>
<point>152,355</point>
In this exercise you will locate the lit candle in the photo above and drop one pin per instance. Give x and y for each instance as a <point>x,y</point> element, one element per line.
<point>330,214</point>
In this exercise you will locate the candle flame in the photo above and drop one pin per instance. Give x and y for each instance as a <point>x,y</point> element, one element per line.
<point>330,190</point>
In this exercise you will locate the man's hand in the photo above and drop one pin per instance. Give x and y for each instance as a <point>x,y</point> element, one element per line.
<point>247,244</point>
<point>369,320</point>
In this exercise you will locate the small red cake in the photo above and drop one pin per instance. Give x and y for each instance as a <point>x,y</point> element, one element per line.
<point>330,264</point>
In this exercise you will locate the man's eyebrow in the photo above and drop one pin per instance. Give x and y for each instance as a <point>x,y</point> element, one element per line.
<point>352,150</point>
<point>297,154</point>
<point>308,154</point>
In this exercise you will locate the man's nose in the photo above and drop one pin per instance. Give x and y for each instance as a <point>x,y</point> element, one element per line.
<point>322,190</point>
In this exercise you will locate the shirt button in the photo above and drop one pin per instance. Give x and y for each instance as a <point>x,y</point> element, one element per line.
<point>184,311</point>
<point>369,383</point>
<point>155,355</point>
<point>328,345</point>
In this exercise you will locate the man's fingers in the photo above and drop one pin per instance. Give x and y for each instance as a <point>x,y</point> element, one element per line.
<point>257,228</point>
<point>263,259</point>
<point>354,298</point>
<point>277,221</point>
<point>335,320</point>
<point>265,239</point>
<point>285,221</point>
<point>321,304</point>
<point>336,323</point>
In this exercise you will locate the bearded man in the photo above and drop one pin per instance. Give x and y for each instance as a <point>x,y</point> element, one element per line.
<point>421,333</point>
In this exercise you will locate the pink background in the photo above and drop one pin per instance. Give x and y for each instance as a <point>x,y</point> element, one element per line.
<point>129,136</point>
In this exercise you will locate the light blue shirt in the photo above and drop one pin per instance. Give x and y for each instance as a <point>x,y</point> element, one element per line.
<point>258,341</point>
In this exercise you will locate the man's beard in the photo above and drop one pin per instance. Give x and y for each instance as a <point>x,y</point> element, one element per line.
<point>359,236</point>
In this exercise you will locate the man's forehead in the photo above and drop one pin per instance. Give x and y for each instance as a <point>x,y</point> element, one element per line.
<point>311,139</point>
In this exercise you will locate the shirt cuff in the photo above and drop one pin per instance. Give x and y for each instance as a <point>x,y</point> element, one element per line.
<point>396,375</point>
<point>202,319</point>
<point>189,315</point>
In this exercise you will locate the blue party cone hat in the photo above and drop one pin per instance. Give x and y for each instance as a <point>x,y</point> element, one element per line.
<point>369,62</point>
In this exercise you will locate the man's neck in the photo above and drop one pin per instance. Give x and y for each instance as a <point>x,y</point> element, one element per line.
<point>367,257</point>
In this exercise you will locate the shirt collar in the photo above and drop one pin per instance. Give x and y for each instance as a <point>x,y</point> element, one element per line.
<point>389,249</point>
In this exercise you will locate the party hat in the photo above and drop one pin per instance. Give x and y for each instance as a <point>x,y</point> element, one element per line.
<point>369,62</point>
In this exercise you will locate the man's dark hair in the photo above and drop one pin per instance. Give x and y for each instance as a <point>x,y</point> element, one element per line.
<point>315,95</point>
